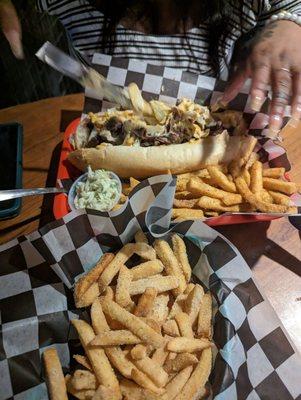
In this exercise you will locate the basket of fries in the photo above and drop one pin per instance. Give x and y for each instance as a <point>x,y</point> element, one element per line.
<point>172,313</point>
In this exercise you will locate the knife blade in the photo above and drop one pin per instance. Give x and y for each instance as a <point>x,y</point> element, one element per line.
<point>86,76</point>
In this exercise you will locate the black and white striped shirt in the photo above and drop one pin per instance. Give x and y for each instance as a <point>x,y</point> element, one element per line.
<point>83,24</point>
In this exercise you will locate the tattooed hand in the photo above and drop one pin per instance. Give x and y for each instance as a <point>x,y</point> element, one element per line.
<point>275,59</point>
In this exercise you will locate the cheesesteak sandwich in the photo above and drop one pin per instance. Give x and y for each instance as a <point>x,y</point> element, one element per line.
<point>155,138</point>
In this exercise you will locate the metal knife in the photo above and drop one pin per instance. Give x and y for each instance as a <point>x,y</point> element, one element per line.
<point>86,76</point>
<point>15,193</point>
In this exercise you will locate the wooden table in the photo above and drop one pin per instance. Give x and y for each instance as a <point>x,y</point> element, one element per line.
<point>273,250</point>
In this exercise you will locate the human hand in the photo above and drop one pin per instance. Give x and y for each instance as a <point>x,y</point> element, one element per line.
<point>11,27</point>
<point>275,59</point>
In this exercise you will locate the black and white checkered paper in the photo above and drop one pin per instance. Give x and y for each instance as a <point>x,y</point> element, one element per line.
<point>256,359</point>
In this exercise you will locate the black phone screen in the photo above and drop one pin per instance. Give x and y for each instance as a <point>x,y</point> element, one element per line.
<point>8,160</point>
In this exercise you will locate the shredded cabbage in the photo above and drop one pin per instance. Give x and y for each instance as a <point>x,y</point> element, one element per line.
<point>100,191</point>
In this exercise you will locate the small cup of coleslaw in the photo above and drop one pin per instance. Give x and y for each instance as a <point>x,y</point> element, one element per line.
<point>98,190</point>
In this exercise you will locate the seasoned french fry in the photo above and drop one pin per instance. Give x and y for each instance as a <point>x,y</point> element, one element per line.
<point>265,196</point>
<point>138,352</point>
<point>115,338</point>
<point>190,286</point>
<point>160,310</point>
<point>192,303</point>
<point>253,200</point>
<point>79,394</point>
<point>186,213</point>
<point>184,195</point>
<point>182,360</point>
<point>177,384</point>
<point>171,265</point>
<point>179,249</point>
<point>202,173</point>
<point>133,323</point>
<point>104,393</point>
<point>144,381</point>
<point>184,323</point>
<point>198,378</point>
<point>220,179</point>
<point>199,188</point>
<point>280,198</point>
<point>280,186</point>
<point>98,318</point>
<point>185,203</point>
<point>178,305</point>
<point>143,250</point>
<point>84,283</point>
<point>55,378</point>
<point>132,391</point>
<point>82,360</point>
<point>83,380</point>
<point>246,175</point>
<point>181,184</point>
<point>273,172</point>
<point>146,302</point>
<point>119,361</point>
<point>146,269</point>
<point>158,282</point>
<point>155,325</point>
<point>170,328</point>
<point>88,297</point>
<point>160,356</point>
<point>205,316</point>
<point>100,364</point>
<point>141,237</point>
<point>152,370</point>
<point>256,184</point>
<point>122,295</point>
<point>211,214</point>
<point>211,203</point>
<point>186,345</point>
<point>253,157</point>
<point>133,182</point>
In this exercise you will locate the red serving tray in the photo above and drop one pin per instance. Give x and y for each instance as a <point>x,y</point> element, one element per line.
<point>67,171</point>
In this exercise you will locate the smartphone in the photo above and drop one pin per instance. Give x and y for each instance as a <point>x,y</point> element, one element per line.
<point>11,146</point>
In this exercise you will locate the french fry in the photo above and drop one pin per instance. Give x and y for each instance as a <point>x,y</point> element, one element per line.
<point>100,364</point>
<point>181,183</point>
<point>133,323</point>
<point>146,302</point>
<point>88,297</point>
<point>155,325</point>
<point>198,378</point>
<point>292,210</point>
<point>79,394</point>
<point>265,196</point>
<point>84,283</point>
<point>220,179</point>
<point>186,345</point>
<point>133,182</point>
<point>211,214</point>
<point>254,201</point>
<point>273,172</point>
<point>171,328</point>
<point>154,371</point>
<point>146,269</point>
<point>158,282</point>
<point>160,356</point>
<point>159,311</point>
<point>182,360</point>
<point>199,188</point>
<point>178,305</point>
<point>202,173</point>
<point>138,352</point>
<point>171,265</point>
<point>211,203</point>
<point>115,338</point>
<point>280,198</point>
<point>140,237</point>
<point>83,380</point>
<point>192,303</point>
<point>144,381</point>
<point>280,186</point>
<point>55,378</point>
<point>186,213</point>
<point>143,250</point>
<point>104,393</point>
<point>82,360</point>
<point>246,175</point>
<point>184,323</point>
<point>253,157</point>
<point>132,391</point>
<point>176,384</point>
<point>205,316</point>
<point>256,184</point>
<point>185,203</point>
<point>190,286</point>
<point>184,195</point>
<point>122,295</point>
<point>179,249</point>
<point>119,361</point>
<point>98,318</point>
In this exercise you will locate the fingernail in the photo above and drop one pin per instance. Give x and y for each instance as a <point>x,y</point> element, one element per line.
<point>256,103</point>
<point>275,125</point>
<point>15,43</point>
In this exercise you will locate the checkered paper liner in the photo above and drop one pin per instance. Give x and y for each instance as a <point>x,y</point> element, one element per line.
<point>255,360</point>
<point>170,85</point>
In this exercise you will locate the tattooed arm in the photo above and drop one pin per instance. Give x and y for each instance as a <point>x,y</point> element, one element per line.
<point>274,59</point>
